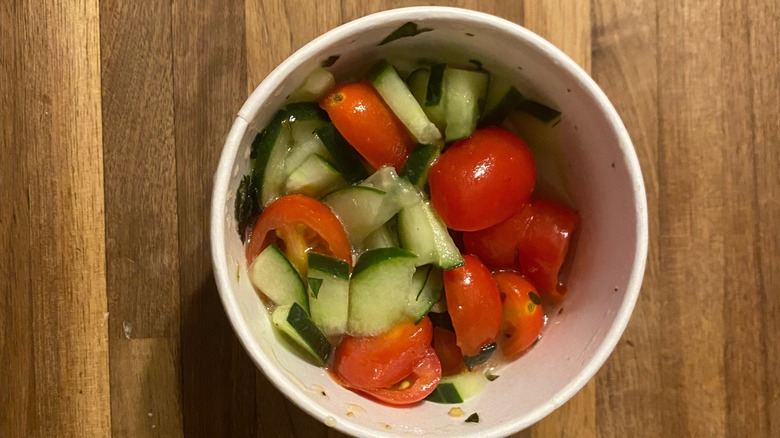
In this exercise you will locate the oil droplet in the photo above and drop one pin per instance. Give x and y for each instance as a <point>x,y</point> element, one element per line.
<point>455,412</point>
<point>352,409</point>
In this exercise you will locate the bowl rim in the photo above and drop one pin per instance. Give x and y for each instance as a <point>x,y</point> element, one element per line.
<point>265,89</point>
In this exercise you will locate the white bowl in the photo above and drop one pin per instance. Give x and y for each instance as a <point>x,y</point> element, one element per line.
<point>606,187</point>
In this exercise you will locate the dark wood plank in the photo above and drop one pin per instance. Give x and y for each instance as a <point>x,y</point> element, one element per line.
<point>763,25</point>
<point>209,77</point>
<point>141,218</point>
<point>54,355</point>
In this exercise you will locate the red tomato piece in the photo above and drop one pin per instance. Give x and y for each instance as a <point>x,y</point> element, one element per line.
<point>543,246</point>
<point>522,313</point>
<point>416,386</point>
<point>482,180</point>
<point>298,224</point>
<point>368,124</point>
<point>474,305</point>
<point>381,361</point>
<point>535,241</point>
<point>446,345</point>
<point>497,246</point>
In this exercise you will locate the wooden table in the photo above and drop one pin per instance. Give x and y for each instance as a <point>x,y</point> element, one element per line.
<point>112,119</point>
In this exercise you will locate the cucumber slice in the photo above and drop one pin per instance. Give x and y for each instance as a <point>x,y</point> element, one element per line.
<point>418,84</point>
<point>314,86</point>
<point>304,118</point>
<point>345,159</point>
<point>419,163</point>
<point>464,96</point>
<point>302,151</point>
<point>270,149</point>
<point>458,388</point>
<point>400,193</point>
<point>385,236</point>
<point>401,101</point>
<point>435,88</point>
<point>540,111</point>
<point>360,210</point>
<point>315,177</point>
<point>328,293</point>
<point>422,232</point>
<point>502,98</point>
<point>277,279</point>
<point>427,288</point>
<point>378,293</point>
<point>293,321</point>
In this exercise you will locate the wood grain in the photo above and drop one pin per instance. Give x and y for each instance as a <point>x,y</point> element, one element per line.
<point>141,218</point>
<point>209,77</point>
<point>112,118</point>
<point>54,336</point>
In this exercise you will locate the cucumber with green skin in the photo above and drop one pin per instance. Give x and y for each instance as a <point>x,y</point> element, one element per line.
<point>345,158</point>
<point>427,288</point>
<point>295,323</point>
<point>315,177</point>
<point>458,388</point>
<point>270,150</point>
<point>421,231</point>
<point>328,288</point>
<point>273,274</point>
<point>379,289</point>
<point>464,94</point>
<point>502,98</point>
<point>360,210</point>
<point>419,82</point>
<point>419,163</point>
<point>397,96</point>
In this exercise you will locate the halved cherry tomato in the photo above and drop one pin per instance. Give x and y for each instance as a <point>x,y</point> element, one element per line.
<point>474,305</point>
<point>543,246</point>
<point>416,386</point>
<point>299,224</point>
<point>368,124</point>
<point>381,361</point>
<point>497,246</point>
<point>446,345</point>
<point>534,241</point>
<point>522,313</point>
<point>482,180</point>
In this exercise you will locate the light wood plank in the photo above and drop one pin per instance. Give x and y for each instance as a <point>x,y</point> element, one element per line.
<point>209,77</point>
<point>55,296</point>
<point>141,222</point>
<point>624,65</point>
<point>545,17</point>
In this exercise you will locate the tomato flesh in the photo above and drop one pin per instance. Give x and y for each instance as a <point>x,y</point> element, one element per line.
<point>303,224</point>
<point>368,124</point>
<point>543,246</point>
<point>474,304</point>
<point>522,314</point>
<point>535,241</point>
<point>375,362</point>
<point>414,387</point>
<point>482,180</point>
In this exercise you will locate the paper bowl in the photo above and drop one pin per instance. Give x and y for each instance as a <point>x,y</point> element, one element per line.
<point>605,185</point>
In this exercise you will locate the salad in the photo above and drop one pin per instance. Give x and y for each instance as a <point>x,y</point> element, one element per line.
<point>397,232</point>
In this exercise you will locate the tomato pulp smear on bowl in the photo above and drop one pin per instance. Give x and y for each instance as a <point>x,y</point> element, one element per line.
<point>605,184</point>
